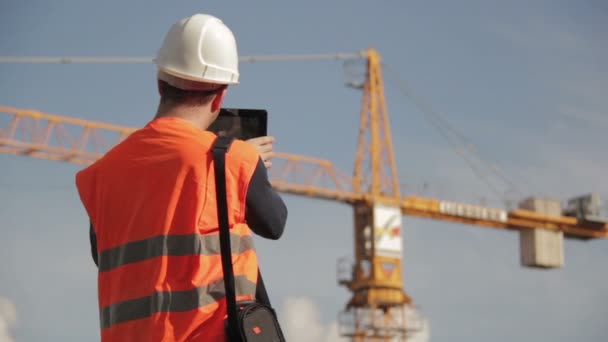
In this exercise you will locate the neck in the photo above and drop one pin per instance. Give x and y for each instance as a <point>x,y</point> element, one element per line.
<point>199,116</point>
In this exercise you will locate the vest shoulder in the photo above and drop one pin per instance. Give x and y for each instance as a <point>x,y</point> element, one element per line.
<point>244,150</point>
<point>242,146</point>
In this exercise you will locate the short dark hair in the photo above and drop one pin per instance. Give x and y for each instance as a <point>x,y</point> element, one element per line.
<point>169,93</point>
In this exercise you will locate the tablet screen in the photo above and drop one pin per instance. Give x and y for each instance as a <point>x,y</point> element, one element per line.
<point>240,123</point>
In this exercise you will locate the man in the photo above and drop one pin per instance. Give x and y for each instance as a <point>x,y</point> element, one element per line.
<point>152,206</point>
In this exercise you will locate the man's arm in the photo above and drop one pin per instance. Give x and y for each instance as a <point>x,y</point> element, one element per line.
<point>265,211</point>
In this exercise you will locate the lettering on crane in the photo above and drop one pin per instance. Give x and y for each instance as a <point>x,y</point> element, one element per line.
<point>472,211</point>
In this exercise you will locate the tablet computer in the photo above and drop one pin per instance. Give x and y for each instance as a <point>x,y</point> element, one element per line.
<point>241,123</point>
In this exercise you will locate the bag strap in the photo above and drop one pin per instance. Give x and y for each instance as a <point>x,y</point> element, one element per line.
<point>260,291</point>
<point>220,147</point>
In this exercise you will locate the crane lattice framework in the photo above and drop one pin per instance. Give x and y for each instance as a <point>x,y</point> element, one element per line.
<point>376,309</point>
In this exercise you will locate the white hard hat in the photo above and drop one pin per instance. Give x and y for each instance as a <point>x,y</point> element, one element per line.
<point>197,50</point>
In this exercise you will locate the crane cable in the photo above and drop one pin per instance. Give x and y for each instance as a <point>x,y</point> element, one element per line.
<point>147,60</point>
<point>445,129</point>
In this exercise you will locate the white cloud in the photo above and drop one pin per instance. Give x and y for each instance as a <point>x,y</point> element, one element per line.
<point>8,318</point>
<point>423,328</point>
<point>301,320</point>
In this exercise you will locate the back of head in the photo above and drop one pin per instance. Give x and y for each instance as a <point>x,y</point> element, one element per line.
<point>198,53</point>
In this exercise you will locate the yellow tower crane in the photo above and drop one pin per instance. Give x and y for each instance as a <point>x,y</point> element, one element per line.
<point>376,309</point>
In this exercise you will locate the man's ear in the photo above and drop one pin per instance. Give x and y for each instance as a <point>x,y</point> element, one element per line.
<point>216,103</point>
<point>159,86</point>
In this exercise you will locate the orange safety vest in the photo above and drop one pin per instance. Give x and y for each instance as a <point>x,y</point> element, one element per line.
<point>151,200</point>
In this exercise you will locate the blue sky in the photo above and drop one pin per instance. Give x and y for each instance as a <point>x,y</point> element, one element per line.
<point>525,82</point>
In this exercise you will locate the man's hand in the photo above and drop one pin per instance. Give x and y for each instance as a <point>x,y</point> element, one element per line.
<point>264,147</point>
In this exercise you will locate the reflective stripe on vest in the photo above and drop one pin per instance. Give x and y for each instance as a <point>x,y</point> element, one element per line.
<point>170,245</point>
<point>172,301</point>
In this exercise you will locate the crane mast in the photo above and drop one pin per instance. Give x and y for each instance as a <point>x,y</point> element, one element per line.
<point>376,310</point>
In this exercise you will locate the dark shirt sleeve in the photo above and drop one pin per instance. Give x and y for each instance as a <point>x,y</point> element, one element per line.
<point>265,211</point>
<point>93,239</point>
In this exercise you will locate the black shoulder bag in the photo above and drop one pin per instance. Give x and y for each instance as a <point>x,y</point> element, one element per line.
<point>253,321</point>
